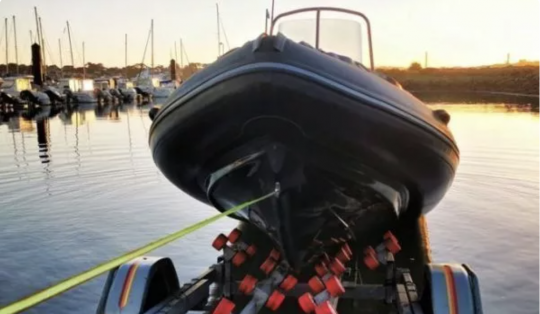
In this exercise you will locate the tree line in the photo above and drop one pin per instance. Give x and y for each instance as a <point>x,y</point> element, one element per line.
<point>94,70</point>
<point>521,79</point>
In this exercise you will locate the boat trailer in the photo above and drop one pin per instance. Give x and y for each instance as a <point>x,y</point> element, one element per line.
<point>150,285</point>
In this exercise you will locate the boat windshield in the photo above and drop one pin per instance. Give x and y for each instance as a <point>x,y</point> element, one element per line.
<point>340,33</point>
<point>125,85</point>
<point>16,84</point>
<point>7,84</point>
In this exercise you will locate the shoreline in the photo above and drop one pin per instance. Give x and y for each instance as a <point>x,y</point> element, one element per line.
<point>510,94</point>
<point>508,80</point>
<point>474,92</point>
<point>532,102</point>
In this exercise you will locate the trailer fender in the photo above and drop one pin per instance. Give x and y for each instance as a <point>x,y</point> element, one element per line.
<point>139,285</point>
<point>451,289</point>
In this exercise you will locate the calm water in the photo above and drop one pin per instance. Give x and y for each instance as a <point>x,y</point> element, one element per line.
<point>79,188</point>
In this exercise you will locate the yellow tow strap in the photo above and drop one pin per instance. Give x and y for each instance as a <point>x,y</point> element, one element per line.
<point>81,278</point>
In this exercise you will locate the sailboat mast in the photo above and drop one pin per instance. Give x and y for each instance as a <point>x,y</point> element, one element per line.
<point>272,16</point>
<point>60,52</point>
<point>37,25</point>
<point>175,52</point>
<point>16,48</point>
<point>42,46</point>
<point>31,38</point>
<point>83,61</point>
<point>218,32</point>
<point>152,46</point>
<point>125,53</point>
<point>70,46</point>
<point>7,47</point>
<point>181,54</point>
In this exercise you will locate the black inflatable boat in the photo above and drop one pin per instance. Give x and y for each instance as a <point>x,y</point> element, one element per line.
<point>352,152</point>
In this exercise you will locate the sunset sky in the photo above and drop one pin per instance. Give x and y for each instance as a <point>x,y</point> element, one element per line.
<point>454,32</point>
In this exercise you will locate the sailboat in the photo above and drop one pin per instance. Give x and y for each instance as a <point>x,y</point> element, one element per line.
<point>82,91</point>
<point>123,84</point>
<point>159,86</point>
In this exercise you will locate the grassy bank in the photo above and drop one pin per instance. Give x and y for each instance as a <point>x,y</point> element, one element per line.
<point>509,79</point>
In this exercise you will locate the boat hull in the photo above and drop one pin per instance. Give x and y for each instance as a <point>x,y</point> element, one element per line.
<point>85,97</point>
<point>349,161</point>
<point>162,92</point>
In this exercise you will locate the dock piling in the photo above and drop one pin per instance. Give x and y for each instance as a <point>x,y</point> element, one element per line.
<point>37,69</point>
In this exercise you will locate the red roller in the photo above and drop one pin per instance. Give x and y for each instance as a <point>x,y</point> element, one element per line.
<point>321,270</point>
<point>268,265</point>
<point>225,306</point>
<point>334,286</point>
<point>288,283</point>
<point>306,302</point>
<point>337,267</point>
<point>315,284</point>
<point>220,242</point>
<point>391,243</point>
<point>239,258</point>
<point>251,250</point>
<point>235,235</point>
<point>274,300</point>
<point>347,248</point>
<point>325,308</point>
<point>371,261</point>
<point>247,285</point>
<point>275,254</point>
<point>370,250</point>
<point>343,256</point>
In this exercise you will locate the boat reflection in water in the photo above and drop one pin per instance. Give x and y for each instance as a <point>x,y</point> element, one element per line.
<point>36,121</point>
<point>43,136</point>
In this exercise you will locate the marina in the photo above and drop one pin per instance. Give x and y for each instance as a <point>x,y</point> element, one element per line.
<point>42,88</point>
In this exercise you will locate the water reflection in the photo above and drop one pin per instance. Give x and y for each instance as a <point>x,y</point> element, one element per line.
<point>510,101</point>
<point>38,121</point>
<point>107,113</point>
<point>43,137</point>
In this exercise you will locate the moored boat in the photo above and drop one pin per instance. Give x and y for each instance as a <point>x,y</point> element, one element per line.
<point>19,89</point>
<point>80,90</point>
<point>125,88</point>
<point>86,94</point>
<point>154,85</point>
